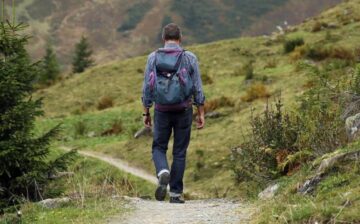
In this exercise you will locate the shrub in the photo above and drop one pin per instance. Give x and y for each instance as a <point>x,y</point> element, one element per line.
<point>255,91</point>
<point>318,26</point>
<point>206,79</point>
<point>271,63</point>
<point>273,136</point>
<point>105,102</point>
<point>223,101</point>
<point>355,86</point>
<point>342,53</point>
<point>291,44</point>
<point>80,128</point>
<point>319,52</point>
<point>246,70</point>
<point>116,128</point>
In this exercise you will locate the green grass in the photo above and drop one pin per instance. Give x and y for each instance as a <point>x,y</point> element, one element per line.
<point>336,197</point>
<point>95,191</point>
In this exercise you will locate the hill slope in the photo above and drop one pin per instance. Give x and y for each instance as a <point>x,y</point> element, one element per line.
<point>74,102</point>
<point>123,28</point>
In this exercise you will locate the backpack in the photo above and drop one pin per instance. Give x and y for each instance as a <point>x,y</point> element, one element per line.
<point>170,81</point>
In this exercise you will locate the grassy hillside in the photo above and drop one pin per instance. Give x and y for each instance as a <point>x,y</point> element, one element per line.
<point>122,28</point>
<point>74,101</point>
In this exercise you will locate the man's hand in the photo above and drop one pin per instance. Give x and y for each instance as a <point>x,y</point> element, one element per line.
<point>147,121</point>
<point>200,122</point>
<point>147,118</point>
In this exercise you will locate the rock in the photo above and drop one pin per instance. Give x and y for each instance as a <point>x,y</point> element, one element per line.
<point>143,132</point>
<point>332,26</point>
<point>309,185</point>
<point>269,192</point>
<point>60,175</point>
<point>91,134</point>
<point>53,202</point>
<point>352,126</point>
<point>213,114</point>
<point>325,165</point>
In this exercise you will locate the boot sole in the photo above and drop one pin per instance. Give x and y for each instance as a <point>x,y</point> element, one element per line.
<point>161,190</point>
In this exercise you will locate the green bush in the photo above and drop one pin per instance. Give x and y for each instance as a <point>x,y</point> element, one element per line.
<point>291,44</point>
<point>274,133</point>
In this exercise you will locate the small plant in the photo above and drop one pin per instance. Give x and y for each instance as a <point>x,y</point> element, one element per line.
<point>80,128</point>
<point>355,87</point>
<point>291,44</point>
<point>105,102</point>
<point>200,154</point>
<point>318,26</point>
<point>246,70</point>
<point>271,63</point>
<point>116,128</point>
<point>223,101</point>
<point>255,91</point>
<point>206,79</point>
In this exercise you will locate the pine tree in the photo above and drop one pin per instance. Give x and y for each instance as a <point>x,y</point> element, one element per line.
<point>82,59</point>
<point>24,162</point>
<point>50,67</point>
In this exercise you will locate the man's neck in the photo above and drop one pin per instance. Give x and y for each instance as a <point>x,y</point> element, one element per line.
<point>172,42</point>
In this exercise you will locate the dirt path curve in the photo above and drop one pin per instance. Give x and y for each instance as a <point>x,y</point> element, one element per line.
<point>118,163</point>
<point>211,211</point>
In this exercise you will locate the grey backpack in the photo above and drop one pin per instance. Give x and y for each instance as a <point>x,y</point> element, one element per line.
<point>170,81</point>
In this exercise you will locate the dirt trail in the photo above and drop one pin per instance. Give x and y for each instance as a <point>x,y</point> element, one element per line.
<point>120,164</point>
<point>211,211</point>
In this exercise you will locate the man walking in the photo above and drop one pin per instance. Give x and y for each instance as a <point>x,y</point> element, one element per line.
<point>172,81</point>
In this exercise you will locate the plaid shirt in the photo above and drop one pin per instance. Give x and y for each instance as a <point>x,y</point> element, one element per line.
<point>191,64</point>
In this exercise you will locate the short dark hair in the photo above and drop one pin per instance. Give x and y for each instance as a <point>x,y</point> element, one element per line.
<point>171,32</point>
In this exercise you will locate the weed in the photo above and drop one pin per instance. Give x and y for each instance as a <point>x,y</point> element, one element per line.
<point>80,128</point>
<point>256,91</point>
<point>116,128</point>
<point>291,44</point>
<point>223,101</point>
<point>105,102</point>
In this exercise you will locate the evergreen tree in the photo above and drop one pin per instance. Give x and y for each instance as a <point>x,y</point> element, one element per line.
<point>24,162</point>
<point>82,59</point>
<point>50,67</point>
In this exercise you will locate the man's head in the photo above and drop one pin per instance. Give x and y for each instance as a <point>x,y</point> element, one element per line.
<point>171,32</point>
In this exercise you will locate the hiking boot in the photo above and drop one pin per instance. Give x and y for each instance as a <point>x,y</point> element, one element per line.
<point>160,192</point>
<point>176,200</point>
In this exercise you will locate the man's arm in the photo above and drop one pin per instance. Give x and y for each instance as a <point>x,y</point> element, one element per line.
<point>146,93</point>
<point>199,97</point>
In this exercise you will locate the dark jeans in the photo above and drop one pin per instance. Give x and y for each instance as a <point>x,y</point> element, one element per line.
<point>164,124</point>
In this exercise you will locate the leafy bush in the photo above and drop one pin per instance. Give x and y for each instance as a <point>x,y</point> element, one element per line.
<point>291,44</point>
<point>273,136</point>
<point>255,91</point>
<point>280,143</point>
<point>105,102</point>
